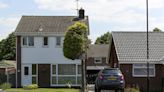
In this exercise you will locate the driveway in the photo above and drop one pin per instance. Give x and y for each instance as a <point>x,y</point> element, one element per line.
<point>91,88</point>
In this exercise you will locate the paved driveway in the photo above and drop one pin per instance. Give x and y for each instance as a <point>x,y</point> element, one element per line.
<point>91,89</point>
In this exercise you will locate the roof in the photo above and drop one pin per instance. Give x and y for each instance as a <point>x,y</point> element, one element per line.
<point>98,50</point>
<point>7,64</point>
<point>46,24</point>
<point>132,46</point>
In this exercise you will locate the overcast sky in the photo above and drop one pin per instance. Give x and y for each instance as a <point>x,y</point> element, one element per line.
<point>104,15</point>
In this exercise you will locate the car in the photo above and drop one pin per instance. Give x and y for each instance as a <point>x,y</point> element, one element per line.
<point>110,79</point>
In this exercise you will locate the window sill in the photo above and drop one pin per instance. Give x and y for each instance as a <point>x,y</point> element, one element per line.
<point>143,76</point>
<point>28,46</point>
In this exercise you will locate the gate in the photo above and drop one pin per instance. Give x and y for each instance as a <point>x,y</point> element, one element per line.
<point>91,76</point>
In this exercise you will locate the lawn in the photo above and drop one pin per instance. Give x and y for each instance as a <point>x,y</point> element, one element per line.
<point>43,90</point>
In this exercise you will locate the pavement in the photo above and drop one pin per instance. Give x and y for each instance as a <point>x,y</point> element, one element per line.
<point>92,86</point>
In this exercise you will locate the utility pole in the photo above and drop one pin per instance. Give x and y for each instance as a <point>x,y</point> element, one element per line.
<point>77,7</point>
<point>147,29</point>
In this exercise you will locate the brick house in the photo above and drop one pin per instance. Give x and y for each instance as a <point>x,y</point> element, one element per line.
<point>97,59</point>
<point>7,67</point>
<point>40,58</point>
<point>129,53</point>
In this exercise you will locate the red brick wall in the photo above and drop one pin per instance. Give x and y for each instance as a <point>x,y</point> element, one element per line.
<point>155,82</point>
<point>113,56</point>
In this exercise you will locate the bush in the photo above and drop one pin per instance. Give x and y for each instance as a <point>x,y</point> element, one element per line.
<point>30,87</point>
<point>5,86</point>
<point>132,90</point>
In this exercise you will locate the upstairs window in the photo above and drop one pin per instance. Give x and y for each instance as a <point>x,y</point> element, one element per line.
<point>28,41</point>
<point>45,41</point>
<point>97,60</point>
<point>58,41</point>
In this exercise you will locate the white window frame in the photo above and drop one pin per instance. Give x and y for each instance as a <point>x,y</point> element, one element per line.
<point>36,75</point>
<point>27,42</point>
<point>57,75</point>
<point>97,58</point>
<point>47,42</point>
<point>151,66</point>
<point>60,41</point>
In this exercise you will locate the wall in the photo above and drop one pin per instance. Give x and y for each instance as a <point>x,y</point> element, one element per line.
<point>155,82</point>
<point>40,54</point>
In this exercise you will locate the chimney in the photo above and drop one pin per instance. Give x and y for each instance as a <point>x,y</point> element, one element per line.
<point>81,13</point>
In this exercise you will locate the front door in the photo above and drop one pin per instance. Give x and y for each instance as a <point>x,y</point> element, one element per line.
<point>26,75</point>
<point>44,75</point>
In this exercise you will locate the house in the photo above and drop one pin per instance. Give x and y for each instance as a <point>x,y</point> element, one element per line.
<point>97,59</point>
<point>7,67</point>
<point>129,53</point>
<point>40,58</point>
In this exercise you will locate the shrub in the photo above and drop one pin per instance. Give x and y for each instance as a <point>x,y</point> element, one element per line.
<point>5,86</point>
<point>132,90</point>
<point>30,87</point>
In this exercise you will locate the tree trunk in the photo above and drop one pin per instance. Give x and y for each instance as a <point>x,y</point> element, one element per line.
<point>83,89</point>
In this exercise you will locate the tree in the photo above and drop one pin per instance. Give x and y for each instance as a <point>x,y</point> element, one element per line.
<point>75,46</point>
<point>8,48</point>
<point>104,39</point>
<point>157,30</point>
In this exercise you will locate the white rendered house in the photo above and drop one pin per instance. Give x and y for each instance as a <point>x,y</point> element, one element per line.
<point>40,58</point>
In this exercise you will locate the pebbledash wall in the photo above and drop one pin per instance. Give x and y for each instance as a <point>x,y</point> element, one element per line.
<point>47,66</point>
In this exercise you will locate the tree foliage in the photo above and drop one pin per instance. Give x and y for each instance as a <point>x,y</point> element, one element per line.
<point>75,41</point>
<point>157,30</point>
<point>8,48</point>
<point>104,39</point>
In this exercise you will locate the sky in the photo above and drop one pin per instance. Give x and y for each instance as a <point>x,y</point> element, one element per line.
<point>104,15</point>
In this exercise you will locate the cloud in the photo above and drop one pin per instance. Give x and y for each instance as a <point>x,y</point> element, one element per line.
<point>118,14</point>
<point>3,5</point>
<point>8,25</point>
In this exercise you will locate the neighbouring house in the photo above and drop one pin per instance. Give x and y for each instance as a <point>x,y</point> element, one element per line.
<point>97,59</point>
<point>7,67</point>
<point>40,58</point>
<point>129,53</point>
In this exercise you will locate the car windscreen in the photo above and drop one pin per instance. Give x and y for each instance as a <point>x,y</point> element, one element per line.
<point>110,71</point>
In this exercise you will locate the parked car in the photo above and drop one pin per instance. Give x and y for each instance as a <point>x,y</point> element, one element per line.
<point>110,79</point>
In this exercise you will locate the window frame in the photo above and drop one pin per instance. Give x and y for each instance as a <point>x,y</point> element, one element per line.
<point>58,40</point>
<point>151,66</point>
<point>27,41</point>
<point>34,75</point>
<point>26,71</point>
<point>97,58</point>
<point>43,40</point>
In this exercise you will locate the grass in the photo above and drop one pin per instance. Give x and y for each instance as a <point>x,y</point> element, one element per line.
<point>43,90</point>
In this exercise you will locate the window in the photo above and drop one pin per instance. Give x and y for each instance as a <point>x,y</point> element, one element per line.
<point>67,69</point>
<point>58,41</point>
<point>34,74</point>
<point>65,80</point>
<point>53,69</point>
<point>140,70</point>
<point>79,69</point>
<point>33,69</point>
<point>28,41</point>
<point>24,41</point>
<point>26,71</point>
<point>97,60</point>
<point>45,41</point>
<point>53,78</point>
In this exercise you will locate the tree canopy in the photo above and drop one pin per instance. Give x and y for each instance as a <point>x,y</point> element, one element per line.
<point>104,39</point>
<point>8,47</point>
<point>157,30</point>
<point>75,41</point>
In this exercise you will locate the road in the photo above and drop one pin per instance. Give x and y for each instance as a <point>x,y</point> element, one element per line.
<point>91,89</point>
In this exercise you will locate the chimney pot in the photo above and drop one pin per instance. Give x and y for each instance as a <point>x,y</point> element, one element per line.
<point>81,13</point>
